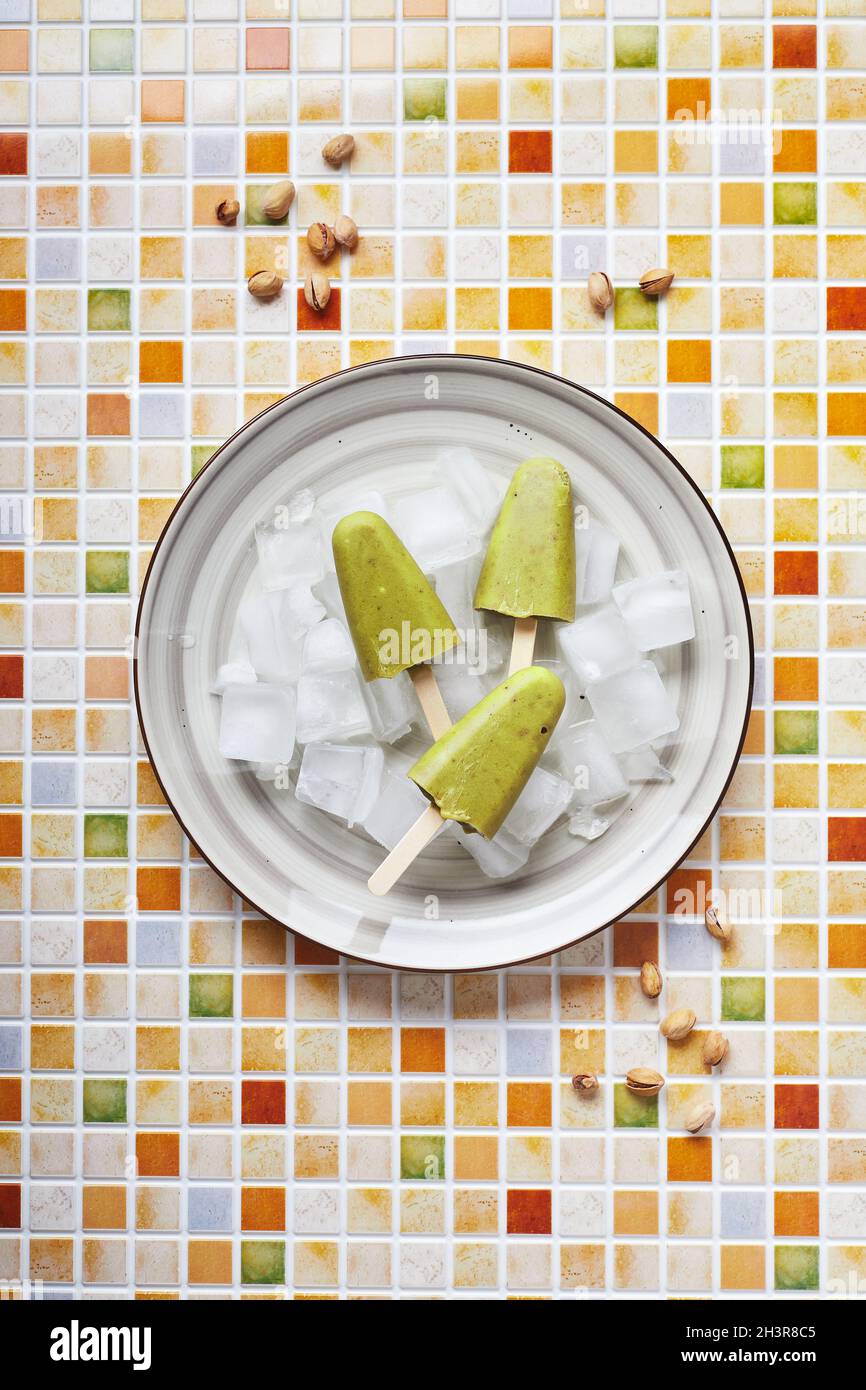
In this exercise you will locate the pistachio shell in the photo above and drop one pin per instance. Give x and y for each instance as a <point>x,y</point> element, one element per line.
<point>346,231</point>
<point>227,211</point>
<point>678,1025</point>
<point>337,150</point>
<point>717,923</point>
<point>700,1116</point>
<point>657,281</point>
<point>715,1049</point>
<point>317,291</point>
<point>650,979</point>
<point>279,200</point>
<point>643,1081</point>
<point>265,284</point>
<point>600,291</point>
<point>585,1081</point>
<point>321,240</point>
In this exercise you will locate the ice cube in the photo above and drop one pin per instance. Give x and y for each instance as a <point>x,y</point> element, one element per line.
<point>341,779</point>
<point>364,500</point>
<point>277,772</point>
<point>642,765</point>
<point>393,707</point>
<point>486,642</point>
<point>632,707</point>
<point>289,553</point>
<point>478,491</point>
<point>274,654</point>
<point>494,651</point>
<point>596,552</point>
<point>328,647</point>
<point>330,707</point>
<point>434,528</point>
<point>301,610</point>
<point>398,805</point>
<point>657,609</point>
<point>596,774</point>
<point>598,645</point>
<point>456,591</point>
<point>233,673</point>
<point>587,824</point>
<point>257,723</point>
<point>328,591</point>
<point>543,800</point>
<point>496,858</point>
<point>299,507</point>
<point>493,644</point>
<point>574,708</point>
<point>460,690</point>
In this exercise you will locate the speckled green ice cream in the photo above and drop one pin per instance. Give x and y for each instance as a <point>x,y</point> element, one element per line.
<point>394,615</point>
<point>476,771</point>
<point>529,569</point>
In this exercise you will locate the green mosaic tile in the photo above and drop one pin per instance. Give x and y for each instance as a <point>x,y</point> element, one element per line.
<point>104,1101</point>
<point>795,731</point>
<point>199,454</point>
<point>795,204</point>
<point>263,1262</point>
<point>796,1266</point>
<point>211,996</point>
<point>634,312</point>
<point>634,1112</point>
<point>106,836</point>
<point>108,311</point>
<point>107,571</point>
<point>112,50</point>
<point>425,99</point>
<point>743,999</point>
<point>422,1156</point>
<point>742,465</point>
<point>254,214</point>
<point>636,45</point>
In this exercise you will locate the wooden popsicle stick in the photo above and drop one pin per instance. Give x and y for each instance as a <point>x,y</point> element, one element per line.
<point>522,644</point>
<point>405,852</point>
<point>430,699</point>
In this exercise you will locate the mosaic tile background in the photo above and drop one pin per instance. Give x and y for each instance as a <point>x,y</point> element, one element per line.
<point>193,1104</point>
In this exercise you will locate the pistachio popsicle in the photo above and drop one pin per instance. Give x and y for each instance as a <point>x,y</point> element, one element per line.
<point>529,569</point>
<point>396,619</point>
<point>476,771</point>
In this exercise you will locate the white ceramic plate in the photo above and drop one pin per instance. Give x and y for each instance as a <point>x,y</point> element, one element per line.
<point>382,425</point>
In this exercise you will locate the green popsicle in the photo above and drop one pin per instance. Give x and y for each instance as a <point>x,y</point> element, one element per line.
<point>529,571</point>
<point>394,615</point>
<point>476,771</point>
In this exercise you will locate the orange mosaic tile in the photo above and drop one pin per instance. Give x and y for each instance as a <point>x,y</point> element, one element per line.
<point>795,678</point>
<point>688,96</point>
<point>160,362</point>
<point>846,308</point>
<point>795,572</point>
<point>530,152</point>
<point>326,320</point>
<point>422,1049</point>
<point>162,100</point>
<point>13,153</point>
<point>529,1104</point>
<point>13,311</point>
<point>267,152</point>
<point>690,1160</point>
<point>530,46</point>
<point>15,50</point>
<point>795,45</point>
